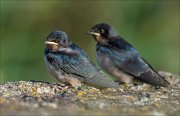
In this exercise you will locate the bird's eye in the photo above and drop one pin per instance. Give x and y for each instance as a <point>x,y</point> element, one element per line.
<point>56,40</point>
<point>102,31</point>
<point>64,41</point>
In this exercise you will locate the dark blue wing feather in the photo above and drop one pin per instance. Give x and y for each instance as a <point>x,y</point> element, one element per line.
<point>120,44</point>
<point>76,63</point>
<point>125,57</point>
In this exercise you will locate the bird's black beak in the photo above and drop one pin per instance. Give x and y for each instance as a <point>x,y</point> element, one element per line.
<point>93,33</point>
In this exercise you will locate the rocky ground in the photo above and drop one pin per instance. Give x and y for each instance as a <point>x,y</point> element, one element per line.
<point>44,98</point>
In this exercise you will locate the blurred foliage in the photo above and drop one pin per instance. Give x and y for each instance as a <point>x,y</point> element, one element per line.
<point>150,26</point>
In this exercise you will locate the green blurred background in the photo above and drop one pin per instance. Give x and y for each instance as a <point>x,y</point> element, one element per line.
<point>152,27</point>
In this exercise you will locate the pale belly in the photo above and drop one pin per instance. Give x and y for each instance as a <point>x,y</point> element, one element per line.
<point>57,74</point>
<point>61,76</point>
<point>107,65</point>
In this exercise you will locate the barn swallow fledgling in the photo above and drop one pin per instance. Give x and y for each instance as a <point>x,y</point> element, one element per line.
<point>120,59</point>
<point>70,64</point>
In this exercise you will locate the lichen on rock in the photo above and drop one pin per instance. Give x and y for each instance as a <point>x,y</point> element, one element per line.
<point>45,98</point>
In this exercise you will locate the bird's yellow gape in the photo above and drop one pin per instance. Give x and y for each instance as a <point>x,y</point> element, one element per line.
<point>51,45</point>
<point>95,34</point>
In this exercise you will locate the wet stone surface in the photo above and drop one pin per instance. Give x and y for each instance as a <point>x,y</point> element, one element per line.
<point>44,98</point>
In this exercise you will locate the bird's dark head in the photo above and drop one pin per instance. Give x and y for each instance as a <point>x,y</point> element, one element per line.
<point>57,39</point>
<point>102,32</point>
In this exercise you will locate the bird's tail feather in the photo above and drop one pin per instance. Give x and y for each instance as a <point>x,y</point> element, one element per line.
<point>100,80</point>
<point>157,79</point>
<point>153,78</point>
